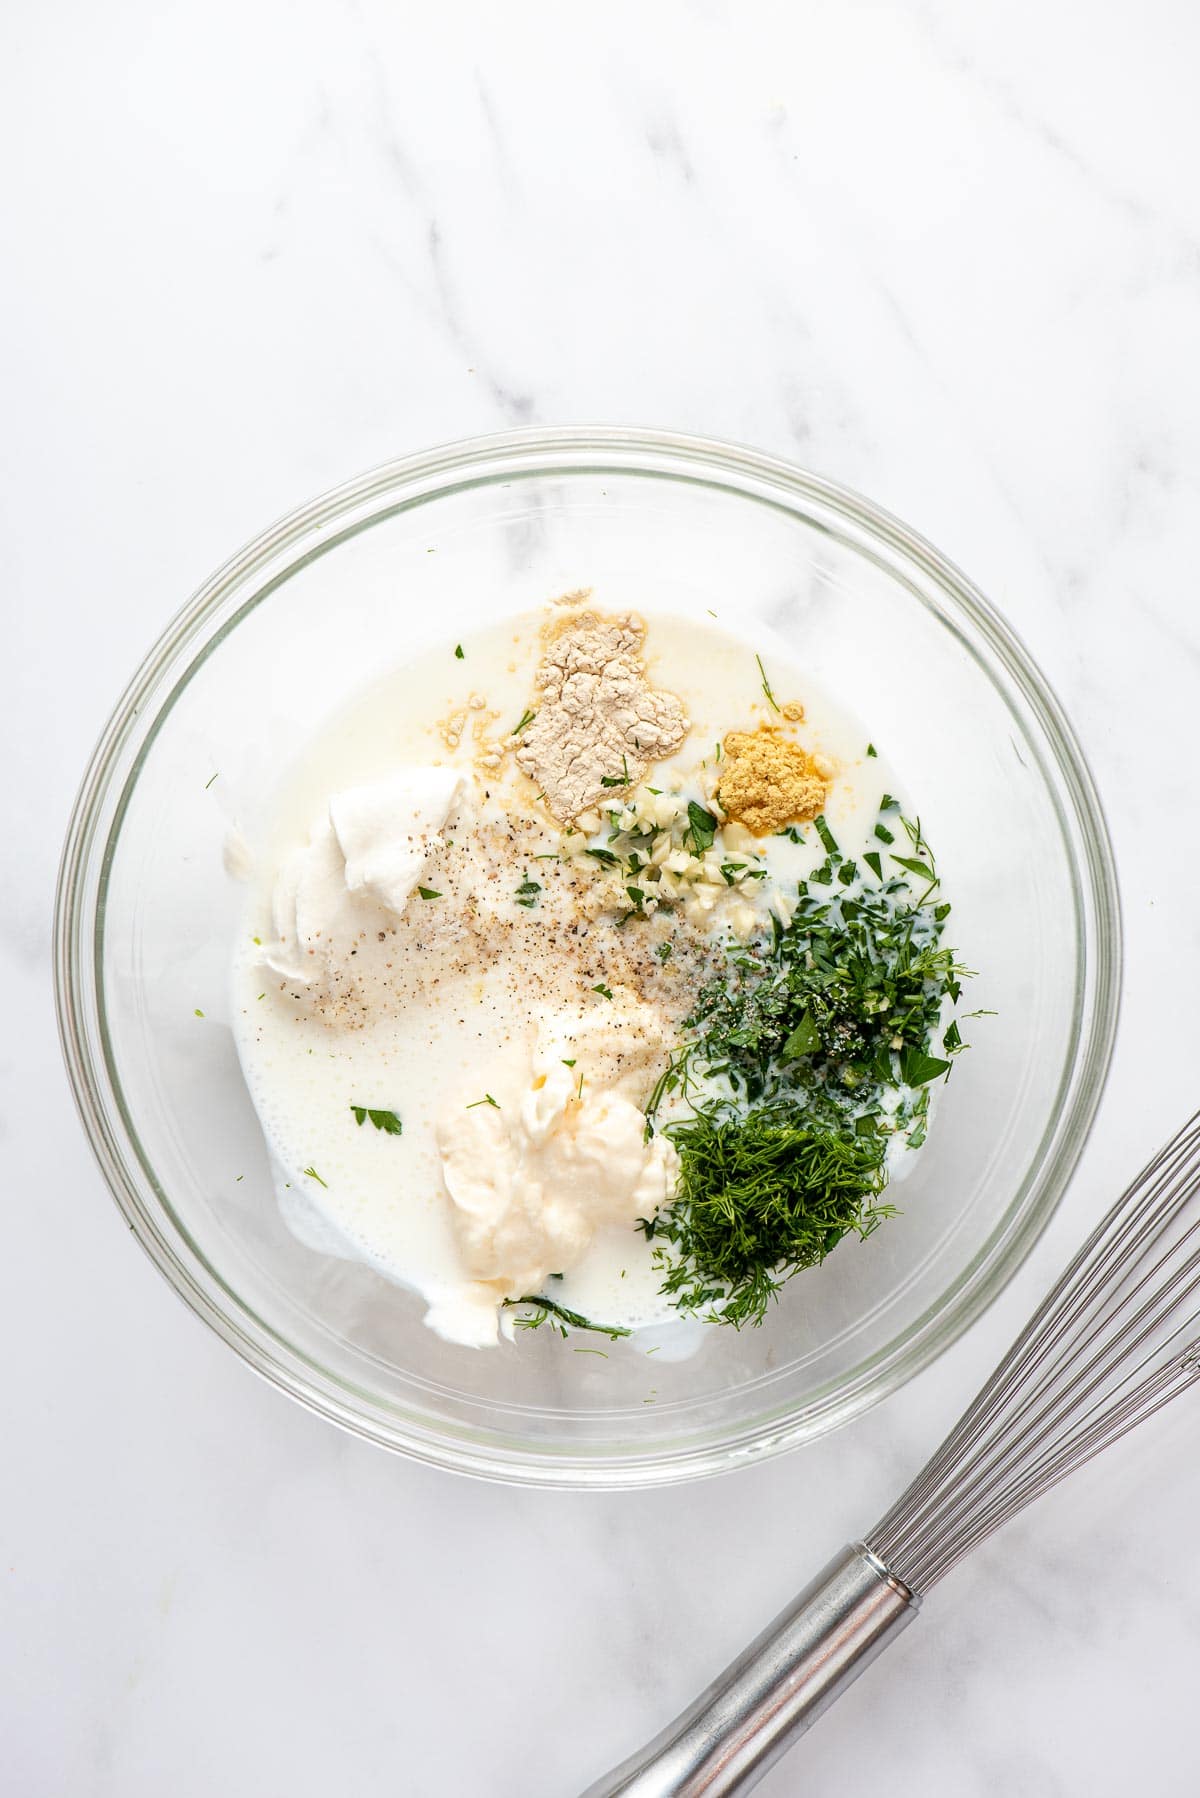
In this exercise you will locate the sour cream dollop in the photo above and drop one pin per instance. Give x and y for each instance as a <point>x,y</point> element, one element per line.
<point>369,846</point>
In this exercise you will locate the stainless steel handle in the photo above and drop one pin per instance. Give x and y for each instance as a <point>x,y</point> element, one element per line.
<point>775,1691</point>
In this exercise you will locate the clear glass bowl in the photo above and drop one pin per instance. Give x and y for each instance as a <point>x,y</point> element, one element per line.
<point>434,545</point>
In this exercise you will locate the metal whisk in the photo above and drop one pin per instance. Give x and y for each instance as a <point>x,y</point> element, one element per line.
<point>1116,1337</point>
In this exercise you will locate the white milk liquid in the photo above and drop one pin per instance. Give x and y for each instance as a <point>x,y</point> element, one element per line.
<point>380,1197</point>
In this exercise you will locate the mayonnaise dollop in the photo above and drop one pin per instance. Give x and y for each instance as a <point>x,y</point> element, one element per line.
<point>534,1177</point>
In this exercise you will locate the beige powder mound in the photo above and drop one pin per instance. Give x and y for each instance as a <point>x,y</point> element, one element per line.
<point>768,782</point>
<point>598,723</point>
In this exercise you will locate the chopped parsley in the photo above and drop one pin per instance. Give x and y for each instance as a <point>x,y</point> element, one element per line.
<point>871,749</point>
<point>429,893</point>
<point>702,827</point>
<point>826,835</point>
<point>605,992</point>
<point>387,1121</point>
<point>527,893</point>
<point>458,652</point>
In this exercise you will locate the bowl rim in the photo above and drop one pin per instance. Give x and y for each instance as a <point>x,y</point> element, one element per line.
<point>309,530</point>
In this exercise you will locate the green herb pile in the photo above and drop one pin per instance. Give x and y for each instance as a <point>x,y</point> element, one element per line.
<point>804,1060</point>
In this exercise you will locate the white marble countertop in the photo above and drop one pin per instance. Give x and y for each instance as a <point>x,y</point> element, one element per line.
<point>949,255</point>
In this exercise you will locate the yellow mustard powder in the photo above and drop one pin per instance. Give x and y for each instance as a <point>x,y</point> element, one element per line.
<point>768,782</point>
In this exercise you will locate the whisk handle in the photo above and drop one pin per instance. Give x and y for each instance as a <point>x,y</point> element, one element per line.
<point>774,1692</point>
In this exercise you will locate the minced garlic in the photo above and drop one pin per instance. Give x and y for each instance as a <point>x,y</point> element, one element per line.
<point>768,782</point>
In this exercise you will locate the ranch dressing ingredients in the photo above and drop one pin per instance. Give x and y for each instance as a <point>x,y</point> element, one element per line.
<point>510,938</point>
<point>598,723</point>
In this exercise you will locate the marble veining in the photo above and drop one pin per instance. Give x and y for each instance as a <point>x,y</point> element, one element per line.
<point>948,255</point>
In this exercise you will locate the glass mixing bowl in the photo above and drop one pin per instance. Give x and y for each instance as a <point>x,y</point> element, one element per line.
<point>431,547</point>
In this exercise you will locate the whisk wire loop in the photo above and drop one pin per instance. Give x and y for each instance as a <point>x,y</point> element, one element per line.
<point>1115,1339</point>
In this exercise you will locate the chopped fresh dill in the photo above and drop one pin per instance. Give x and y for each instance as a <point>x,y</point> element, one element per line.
<point>871,749</point>
<point>759,1198</point>
<point>312,1174</point>
<point>487,1099</point>
<point>766,685</point>
<point>198,1012</point>
<point>549,1311</point>
<point>527,893</point>
<point>387,1121</point>
<point>208,783</point>
<point>525,719</point>
<point>663,951</point>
